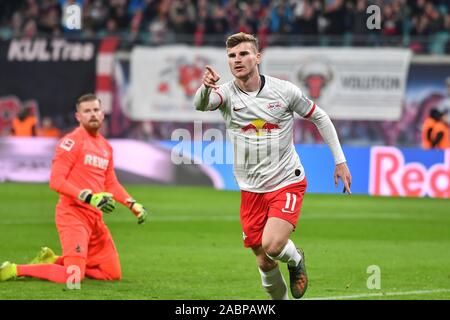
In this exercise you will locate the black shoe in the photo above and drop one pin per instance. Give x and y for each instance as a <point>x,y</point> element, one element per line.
<point>298,277</point>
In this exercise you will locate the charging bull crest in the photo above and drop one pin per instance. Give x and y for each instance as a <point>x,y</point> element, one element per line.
<point>315,76</point>
<point>183,73</point>
<point>189,77</point>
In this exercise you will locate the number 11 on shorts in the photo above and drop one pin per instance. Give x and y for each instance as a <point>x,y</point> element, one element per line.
<point>290,207</point>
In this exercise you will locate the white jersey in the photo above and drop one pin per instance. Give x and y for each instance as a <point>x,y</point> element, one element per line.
<point>261,129</point>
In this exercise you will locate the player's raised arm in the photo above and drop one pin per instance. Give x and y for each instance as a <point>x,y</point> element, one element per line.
<point>203,99</point>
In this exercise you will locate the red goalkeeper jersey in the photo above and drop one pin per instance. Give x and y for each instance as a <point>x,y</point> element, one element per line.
<point>83,161</point>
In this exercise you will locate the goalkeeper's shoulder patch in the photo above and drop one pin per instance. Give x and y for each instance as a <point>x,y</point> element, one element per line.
<point>67,144</point>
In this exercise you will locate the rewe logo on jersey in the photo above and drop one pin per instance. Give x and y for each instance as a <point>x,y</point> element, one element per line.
<point>95,161</point>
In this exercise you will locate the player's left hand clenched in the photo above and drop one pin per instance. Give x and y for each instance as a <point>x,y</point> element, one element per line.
<point>138,210</point>
<point>341,171</point>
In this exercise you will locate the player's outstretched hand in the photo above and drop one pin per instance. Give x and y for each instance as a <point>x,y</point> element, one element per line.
<point>210,78</point>
<point>138,210</point>
<point>103,200</point>
<point>341,171</point>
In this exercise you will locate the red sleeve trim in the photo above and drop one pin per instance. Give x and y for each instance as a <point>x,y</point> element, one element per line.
<point>221,100</point>
<point>310,112</point>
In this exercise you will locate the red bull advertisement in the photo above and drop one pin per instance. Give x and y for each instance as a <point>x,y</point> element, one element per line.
<point>259,127</point>
<point>378,171</point>
<point>392,174</point>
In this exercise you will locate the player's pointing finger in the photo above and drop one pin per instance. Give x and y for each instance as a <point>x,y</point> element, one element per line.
<point>213,73</point>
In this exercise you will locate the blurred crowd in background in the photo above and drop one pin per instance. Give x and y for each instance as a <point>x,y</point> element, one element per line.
<point>422,25</point>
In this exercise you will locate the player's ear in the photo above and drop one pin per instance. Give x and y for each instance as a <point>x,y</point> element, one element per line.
<point>77,116</point>
<point>258,58</point>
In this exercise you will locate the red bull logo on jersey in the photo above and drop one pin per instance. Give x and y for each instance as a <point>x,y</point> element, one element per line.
<point>259,127</point>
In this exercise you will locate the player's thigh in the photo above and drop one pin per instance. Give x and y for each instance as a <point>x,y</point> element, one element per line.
<point>102,249</point>
<point>74,233</point>
<point>286,203</point>
<point>253,217</point>
<point>284,210</point>
<point>103,262</point>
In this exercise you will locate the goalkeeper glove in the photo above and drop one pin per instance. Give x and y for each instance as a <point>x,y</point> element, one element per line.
<point>138,210</point>
<point>102,201</point>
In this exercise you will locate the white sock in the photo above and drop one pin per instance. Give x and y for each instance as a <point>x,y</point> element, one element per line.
<point>274,284</point>
<point>289,254</point>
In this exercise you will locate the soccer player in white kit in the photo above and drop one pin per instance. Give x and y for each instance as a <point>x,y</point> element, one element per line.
<point>259,113</point>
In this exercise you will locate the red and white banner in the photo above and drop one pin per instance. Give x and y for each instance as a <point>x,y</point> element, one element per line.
<point>164,81</point>
<point>105,71</point>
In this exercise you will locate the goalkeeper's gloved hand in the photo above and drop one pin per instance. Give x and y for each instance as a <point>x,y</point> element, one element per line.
<point>138,210</point>
<point>103,200</point>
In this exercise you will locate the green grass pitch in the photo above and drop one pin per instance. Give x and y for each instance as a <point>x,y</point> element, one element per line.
<point>191,248</point>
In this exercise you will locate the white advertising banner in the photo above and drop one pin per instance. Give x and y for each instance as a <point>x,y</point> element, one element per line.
<point>164,81</point>
<point>348,83</point>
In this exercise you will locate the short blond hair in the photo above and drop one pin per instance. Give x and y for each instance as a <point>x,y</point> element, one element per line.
<point>86,97</point>
<point>237,38</point>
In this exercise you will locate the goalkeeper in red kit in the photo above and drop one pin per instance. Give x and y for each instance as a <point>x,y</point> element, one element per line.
<point>83,174</point>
